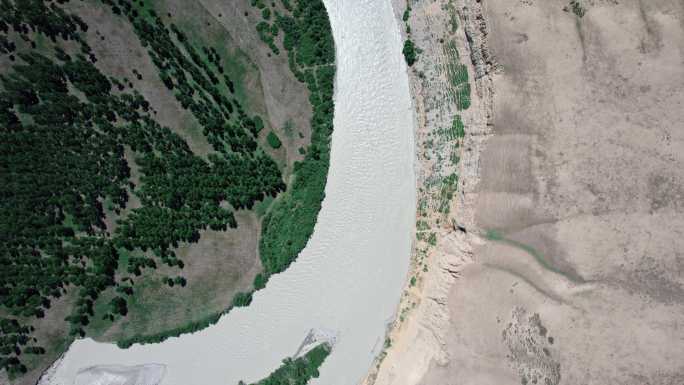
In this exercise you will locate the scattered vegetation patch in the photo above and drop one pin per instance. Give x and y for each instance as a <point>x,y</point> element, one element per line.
<point>446,192</point>
<point>460,91</point>
<point>406,16</point>
<point>495,235</point>
<point>576,7</point>
<point>457,74</point>
<point>407,12</point>
<point>451,51</point>
<point>267,34</point>
<point>456,132</point>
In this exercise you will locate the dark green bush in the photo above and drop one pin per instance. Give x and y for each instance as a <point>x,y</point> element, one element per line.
<point>273,140</point>
<point>409,52</point>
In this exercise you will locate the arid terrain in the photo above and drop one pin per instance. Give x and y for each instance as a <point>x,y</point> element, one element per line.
<point>561,262</point>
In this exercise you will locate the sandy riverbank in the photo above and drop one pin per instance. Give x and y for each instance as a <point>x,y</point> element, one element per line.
<point>579,189</point>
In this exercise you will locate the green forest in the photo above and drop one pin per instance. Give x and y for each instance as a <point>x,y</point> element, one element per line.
<point>297,371</point>
<point>66,129</point>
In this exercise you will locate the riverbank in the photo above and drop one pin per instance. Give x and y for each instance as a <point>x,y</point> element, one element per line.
<point>446,229</point>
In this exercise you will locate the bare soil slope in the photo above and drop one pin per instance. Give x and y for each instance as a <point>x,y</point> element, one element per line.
<point>581,280</point>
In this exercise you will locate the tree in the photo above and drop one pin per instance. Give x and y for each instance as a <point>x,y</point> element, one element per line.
<point>273,140</point>
<point>118,306</point>
<point>409,52</point>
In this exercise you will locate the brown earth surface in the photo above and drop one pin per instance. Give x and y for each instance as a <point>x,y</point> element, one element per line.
<point>575,271</point>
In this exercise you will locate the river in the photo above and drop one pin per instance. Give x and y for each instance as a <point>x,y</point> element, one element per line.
<point>349,278</point>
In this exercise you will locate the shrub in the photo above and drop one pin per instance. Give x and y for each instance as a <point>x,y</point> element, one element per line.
<point>577,8</point>
<point>409,52</point>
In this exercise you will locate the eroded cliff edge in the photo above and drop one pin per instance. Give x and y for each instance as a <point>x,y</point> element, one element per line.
<point>451,38</point>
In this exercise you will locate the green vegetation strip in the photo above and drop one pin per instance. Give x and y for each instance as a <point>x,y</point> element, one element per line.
<point>290,222</point>
<point>297,371</point>
<point>444,145</point>
<point>497,236</point>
